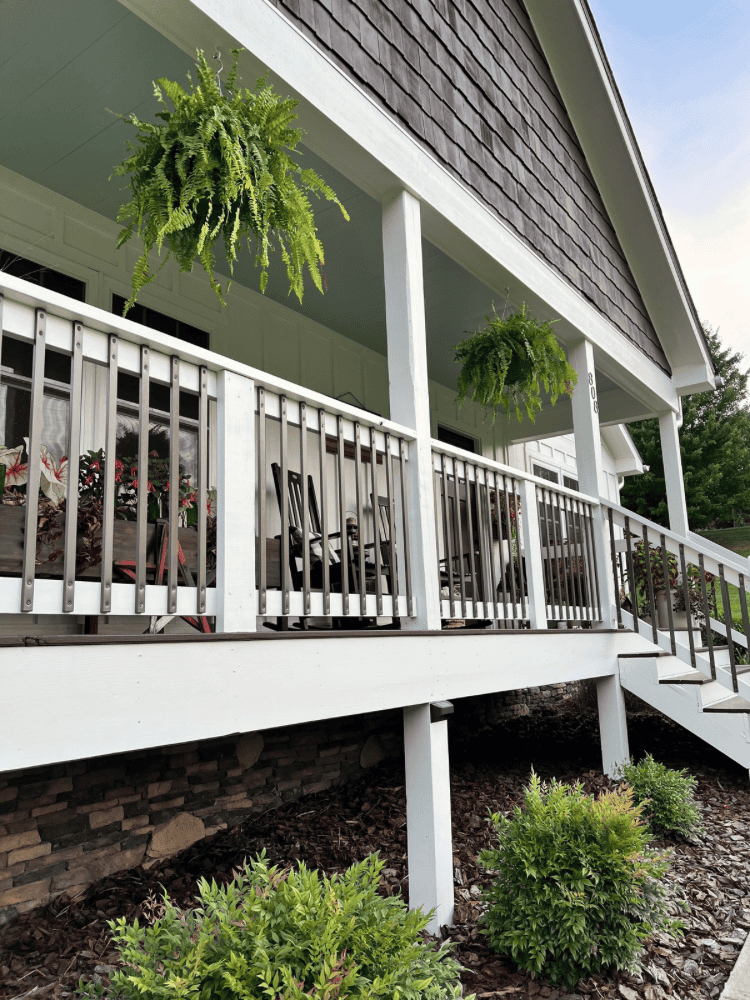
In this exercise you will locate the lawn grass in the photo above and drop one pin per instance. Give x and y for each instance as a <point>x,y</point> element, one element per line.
<point>736,539</point>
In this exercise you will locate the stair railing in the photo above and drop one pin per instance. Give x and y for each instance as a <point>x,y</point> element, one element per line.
<point>648,559</point>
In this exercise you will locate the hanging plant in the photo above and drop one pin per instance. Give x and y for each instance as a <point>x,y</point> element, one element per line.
<point>218,168</point>
<point>509,362</point>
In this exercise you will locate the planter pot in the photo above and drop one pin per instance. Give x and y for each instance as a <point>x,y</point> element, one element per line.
<point>679,618</point>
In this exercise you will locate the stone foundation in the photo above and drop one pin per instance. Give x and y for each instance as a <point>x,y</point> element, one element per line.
<point>489,710</point>
<point>64,826</point>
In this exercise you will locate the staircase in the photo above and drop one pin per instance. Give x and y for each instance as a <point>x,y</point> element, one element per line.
<point>701,689</point>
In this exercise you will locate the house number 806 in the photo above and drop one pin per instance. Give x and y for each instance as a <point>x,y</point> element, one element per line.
<point>592,387</point>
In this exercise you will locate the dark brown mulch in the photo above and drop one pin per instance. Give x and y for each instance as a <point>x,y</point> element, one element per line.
<point>45,952</point>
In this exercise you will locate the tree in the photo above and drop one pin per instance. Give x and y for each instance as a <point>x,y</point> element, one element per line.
<point>715,446</point>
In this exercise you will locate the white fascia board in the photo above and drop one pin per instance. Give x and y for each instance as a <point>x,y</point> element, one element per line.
<point>236,686</point>
<point>571,43</point>
<point>621,447</point>
<point>352,131</point>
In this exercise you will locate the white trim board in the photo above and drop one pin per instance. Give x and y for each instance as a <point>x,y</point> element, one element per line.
<point>214,689</point>
<point>352,131</point>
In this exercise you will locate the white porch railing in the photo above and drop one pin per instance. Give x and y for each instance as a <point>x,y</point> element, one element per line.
<point>258,544</point>
<point>512,548</point>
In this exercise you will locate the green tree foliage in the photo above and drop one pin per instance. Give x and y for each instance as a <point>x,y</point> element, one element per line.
<point>507,364</point>
<point>283,935</point>
<point>715,446</point>
<point>667,796</point>
<point>217,167</point>
<point>577,888</point>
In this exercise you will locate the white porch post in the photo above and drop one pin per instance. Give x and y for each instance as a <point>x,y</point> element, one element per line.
<point>409,394</point>
<point>613,725</point>
<point>235,500</point>
<point>591,475</point>
<point>532,555</point>
<point>670,450</point>
<point>428,815</point>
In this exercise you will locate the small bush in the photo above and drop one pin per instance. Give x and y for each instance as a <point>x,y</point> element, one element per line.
<point>577,889</point>
<point>667,797</point>
<point>283,935</point>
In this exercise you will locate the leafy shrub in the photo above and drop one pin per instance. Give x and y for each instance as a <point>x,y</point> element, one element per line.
<point>667,796</point>
<point>283,935</point>
<point>577,889</point>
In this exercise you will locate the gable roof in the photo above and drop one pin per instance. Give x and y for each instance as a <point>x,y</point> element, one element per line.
<point>575,52</point>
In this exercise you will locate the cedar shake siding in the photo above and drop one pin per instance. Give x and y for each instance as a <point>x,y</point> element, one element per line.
<point>469,80</point>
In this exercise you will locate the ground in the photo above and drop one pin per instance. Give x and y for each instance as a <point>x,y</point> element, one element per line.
<point>736,539</point>
<point>44,953</point>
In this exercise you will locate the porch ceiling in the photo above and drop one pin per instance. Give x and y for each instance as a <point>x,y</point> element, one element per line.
<point>64,63</point>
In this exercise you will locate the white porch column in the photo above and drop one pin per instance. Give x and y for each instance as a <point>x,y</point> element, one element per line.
<point>235,501</point>
<point>532,555</point>
<point>428,815</point>
<point>670,451</point>
<point>592,478</point>
<point>613,723</point>
<point>409,394</point>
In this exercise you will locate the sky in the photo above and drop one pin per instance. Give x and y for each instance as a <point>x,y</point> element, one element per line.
<point>683,68</point>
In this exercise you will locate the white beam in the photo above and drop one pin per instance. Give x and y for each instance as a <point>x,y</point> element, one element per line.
<point>672,458</point>
<point>235,521</point>
<point>592,478</point>
<point>428,815</point>
<point>410,394</point>
<point>613,723</point>
<point>231,685</point>
<point>532,554</point>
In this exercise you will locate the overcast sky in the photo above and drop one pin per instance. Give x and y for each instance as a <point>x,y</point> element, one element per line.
<point>683,68</point>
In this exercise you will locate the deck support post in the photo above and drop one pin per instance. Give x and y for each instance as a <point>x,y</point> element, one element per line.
<point>592,478</point>
<point>428,815</point>
<point>410,394</point>
<point>236,501</point>
<point>672,459</point>
<point>613,723</point>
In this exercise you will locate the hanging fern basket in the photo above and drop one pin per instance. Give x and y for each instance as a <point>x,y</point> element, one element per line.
<point>218,167</point>
<point>508,364</point>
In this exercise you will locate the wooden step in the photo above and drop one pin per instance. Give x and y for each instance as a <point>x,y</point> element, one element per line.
<point>734,705</point>
<point>691,677</point>
<point>644,656</point>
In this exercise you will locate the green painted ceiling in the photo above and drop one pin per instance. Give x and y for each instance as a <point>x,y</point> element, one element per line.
<point>64,63</point>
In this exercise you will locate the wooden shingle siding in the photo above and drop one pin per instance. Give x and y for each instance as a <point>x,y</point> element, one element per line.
<point>468,78</point>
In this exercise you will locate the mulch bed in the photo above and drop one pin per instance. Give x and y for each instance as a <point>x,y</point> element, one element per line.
<point>44,953</point>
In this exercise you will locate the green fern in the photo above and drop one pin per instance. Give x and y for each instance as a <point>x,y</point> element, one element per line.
<point>509,362</point>
<point>218,168</point>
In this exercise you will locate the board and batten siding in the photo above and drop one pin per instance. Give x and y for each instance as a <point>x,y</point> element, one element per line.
<point>469,80</point>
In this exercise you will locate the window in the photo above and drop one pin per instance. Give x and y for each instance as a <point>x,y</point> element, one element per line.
<point>38,274</point>
<point>15,396</point>
<point>572,484</point>
<point>548,474</point>
<point>448,436</point>
<point>161,322</point>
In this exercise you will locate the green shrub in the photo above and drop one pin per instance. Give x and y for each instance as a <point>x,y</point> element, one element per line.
<point>283,935</point>
<point>667,797</point>
<point>577,888</point>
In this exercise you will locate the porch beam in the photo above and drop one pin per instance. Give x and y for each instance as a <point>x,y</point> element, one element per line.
<point>592,478</point>
<point>671,456</point>
<point>410,394</point>
<point>428,815</point>
<point>613,723</point>
<point>235,517</point>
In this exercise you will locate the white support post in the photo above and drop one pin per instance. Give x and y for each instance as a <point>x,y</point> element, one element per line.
<point>410,395</point>
<point>532,555</point>
<point>670,451</point>
<point>613,724</point>
<point>428,815</point>
<point>592,478</point>
<point>235,499</point>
